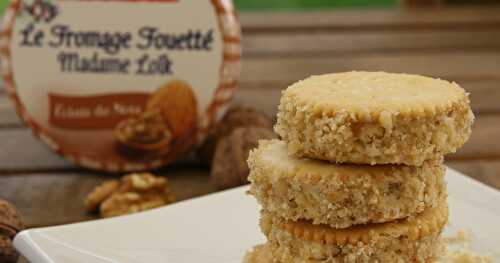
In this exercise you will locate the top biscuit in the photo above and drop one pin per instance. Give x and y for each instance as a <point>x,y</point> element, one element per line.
<point>374,118</point>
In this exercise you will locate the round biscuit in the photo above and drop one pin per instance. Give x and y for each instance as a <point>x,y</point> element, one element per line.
<point>340,195</point>
<point>374,118</point>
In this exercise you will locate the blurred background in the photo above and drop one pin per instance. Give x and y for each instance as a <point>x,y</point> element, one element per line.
<point>285,41</point>
<point>248,5</point>
<point>311,4</point>
<point>315,4</point>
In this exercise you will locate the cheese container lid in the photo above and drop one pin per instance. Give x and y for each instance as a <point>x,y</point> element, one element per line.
<point>120,85</point>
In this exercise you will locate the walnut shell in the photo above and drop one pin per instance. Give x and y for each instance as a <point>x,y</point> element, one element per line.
<point>229,165</point>
<point>8,253</point>
<point>10,220</point>
<point>242,116</point>
<point>10,224</point>
<point>235,117</point>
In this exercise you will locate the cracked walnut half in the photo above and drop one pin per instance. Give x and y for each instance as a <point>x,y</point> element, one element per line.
<point>133,193</point>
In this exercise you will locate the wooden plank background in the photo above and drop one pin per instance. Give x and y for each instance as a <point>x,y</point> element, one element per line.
<point>462,45</point>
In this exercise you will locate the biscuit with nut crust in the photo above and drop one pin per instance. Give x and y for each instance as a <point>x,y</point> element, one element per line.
<point>414,239</point>
<point>374,118</point>
<point>341,195</point>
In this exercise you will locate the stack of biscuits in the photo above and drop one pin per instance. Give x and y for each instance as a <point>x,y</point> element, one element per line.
<point>358,174</point>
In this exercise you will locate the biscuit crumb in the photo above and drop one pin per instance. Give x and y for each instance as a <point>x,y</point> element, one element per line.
<point>465,256</point>
<point>462,236</point>
<point>462,254</point>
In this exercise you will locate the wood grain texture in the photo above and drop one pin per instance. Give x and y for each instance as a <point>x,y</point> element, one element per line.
<point>361,43</point>
<point>8,116</point>
<point>22,152</point>
<point>362,20</point>
<point>49,199</point>
<point>53,199</point>
<point>454,66</point>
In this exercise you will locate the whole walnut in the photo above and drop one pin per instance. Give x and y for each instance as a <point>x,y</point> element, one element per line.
<point>235,117</point>
<point>8,253</point>
<point>10,224</point>
<point>229,165</point>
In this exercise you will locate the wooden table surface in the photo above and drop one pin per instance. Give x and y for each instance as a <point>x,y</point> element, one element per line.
<point>279,48</point>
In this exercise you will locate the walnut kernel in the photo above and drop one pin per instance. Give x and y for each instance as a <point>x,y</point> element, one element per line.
<point>133,193</point>
<point>145,133</point>
<point>99,194</point>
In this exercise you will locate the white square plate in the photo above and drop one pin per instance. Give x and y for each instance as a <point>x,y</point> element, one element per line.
<point>220,227</point>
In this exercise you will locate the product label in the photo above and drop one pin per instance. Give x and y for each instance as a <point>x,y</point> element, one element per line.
<point>121,83</point>
<point>94,112</point>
